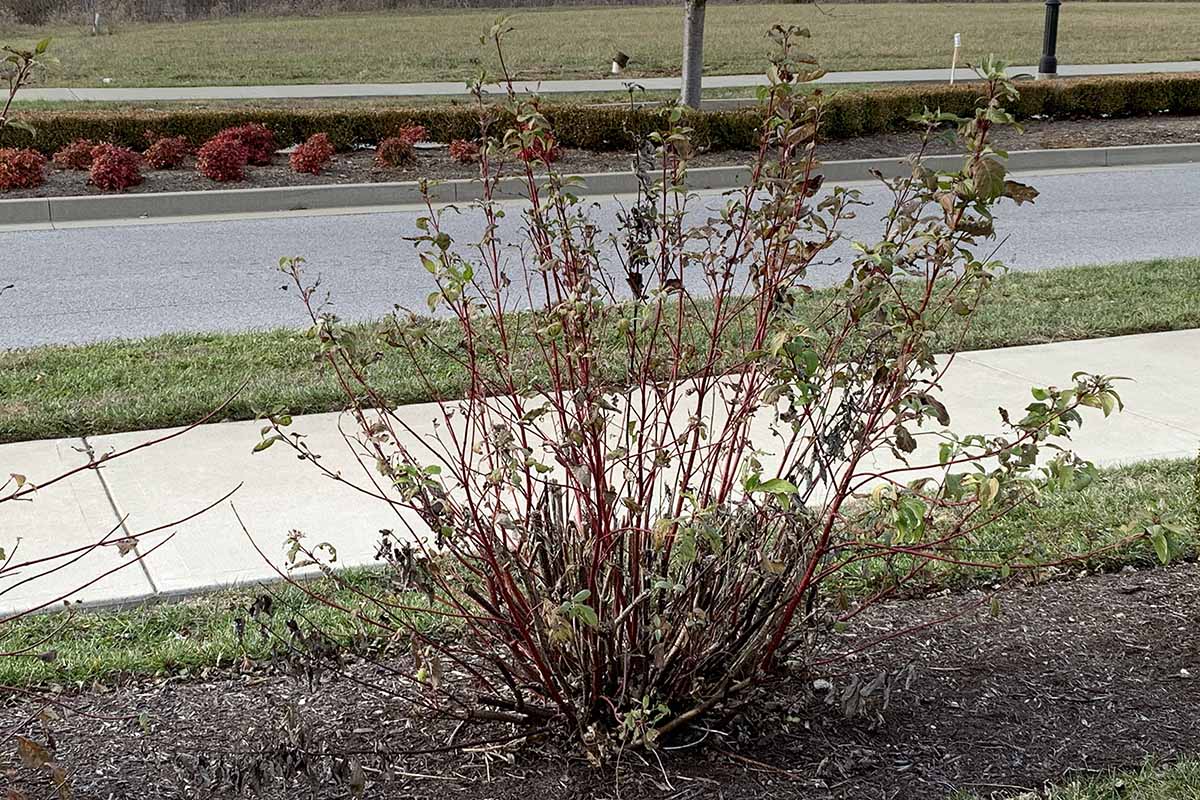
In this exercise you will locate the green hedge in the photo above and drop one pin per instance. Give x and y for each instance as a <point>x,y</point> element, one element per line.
<point>606,127</point>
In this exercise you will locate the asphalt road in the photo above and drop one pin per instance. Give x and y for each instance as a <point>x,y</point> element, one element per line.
<point>88,284</point>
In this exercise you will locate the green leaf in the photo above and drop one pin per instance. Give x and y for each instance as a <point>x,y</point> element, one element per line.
<point>586,615</point>
<point>776,486</point>
<point>265,443</point>
<point>1162,548</point>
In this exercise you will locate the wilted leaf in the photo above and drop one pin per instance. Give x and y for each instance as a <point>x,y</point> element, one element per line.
<point>58,776</point>
<point>32,754</point>
<point>1020,192</point>
<point>987,491</point>
<point>358,778</point>
<point>988,175</point>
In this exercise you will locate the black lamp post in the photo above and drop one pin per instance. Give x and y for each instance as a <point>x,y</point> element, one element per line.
<point>1048,66</point>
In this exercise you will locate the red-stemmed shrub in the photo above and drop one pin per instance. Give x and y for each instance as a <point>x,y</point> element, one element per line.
<point>167,152</point>
<point>77,155</point>
<point>222,159</point>
<point>313,155</point>
<point>636,536</point>
<point>115,169</point>
<point>21,169</point>
<point>258,140</point>
<point>395,151</point>
<point>464,151</point>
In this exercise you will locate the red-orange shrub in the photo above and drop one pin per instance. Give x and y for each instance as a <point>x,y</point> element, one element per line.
<point>258,140</point>
<point>464,151</point>
<point>395,152</point>
<point>21,169</point>
<point>412,133</point>
<point>77,155</point>
<point>312,156</point>
<point>167,152</point>
<point>115,169</point>
<point>222,158</point>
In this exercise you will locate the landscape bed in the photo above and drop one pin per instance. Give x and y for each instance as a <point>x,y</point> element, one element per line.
<point>616,127</point>
<point>359,166</point>
<point>1066,678</point>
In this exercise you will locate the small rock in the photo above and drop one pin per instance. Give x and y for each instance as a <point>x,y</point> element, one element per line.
<point>822,685</point>
<point>1183,673</point>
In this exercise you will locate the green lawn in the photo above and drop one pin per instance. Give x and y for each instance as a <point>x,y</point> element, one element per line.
<point>579,42</point>
<point>151,383</point>
<point>1179,781</point>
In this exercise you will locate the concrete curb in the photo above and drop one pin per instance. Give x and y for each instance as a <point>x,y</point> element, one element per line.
<point>43,211</point>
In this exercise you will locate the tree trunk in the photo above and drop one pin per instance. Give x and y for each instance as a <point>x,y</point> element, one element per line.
<point>693,51</point>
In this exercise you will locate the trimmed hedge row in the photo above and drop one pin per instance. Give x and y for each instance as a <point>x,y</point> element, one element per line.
<point>602,128</point>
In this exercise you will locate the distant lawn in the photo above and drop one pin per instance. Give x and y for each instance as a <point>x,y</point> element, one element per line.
<point>169,380</point>
<point>421,45</point>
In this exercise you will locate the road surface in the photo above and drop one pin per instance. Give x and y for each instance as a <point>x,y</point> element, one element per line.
<point>87,284</point>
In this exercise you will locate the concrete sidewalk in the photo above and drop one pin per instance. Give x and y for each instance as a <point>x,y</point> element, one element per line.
<point>280,493</point>
<point>458,88</point>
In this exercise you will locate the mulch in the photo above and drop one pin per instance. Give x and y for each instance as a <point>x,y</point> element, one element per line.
<point>1069,678</point>
<point>359,167</point>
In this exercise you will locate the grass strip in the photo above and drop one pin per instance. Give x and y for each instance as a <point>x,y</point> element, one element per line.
<point>189,636</point>
<point>1179,781</point>
<point>116,386</point>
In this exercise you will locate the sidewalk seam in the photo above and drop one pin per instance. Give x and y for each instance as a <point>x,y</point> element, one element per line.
<point>121,518</point>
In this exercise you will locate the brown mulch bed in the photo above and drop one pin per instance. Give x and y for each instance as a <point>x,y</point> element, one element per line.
<point>359,167</point>
<point>1072,677</point>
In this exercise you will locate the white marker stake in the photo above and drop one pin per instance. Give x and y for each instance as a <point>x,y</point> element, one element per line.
<point>954,58</point>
